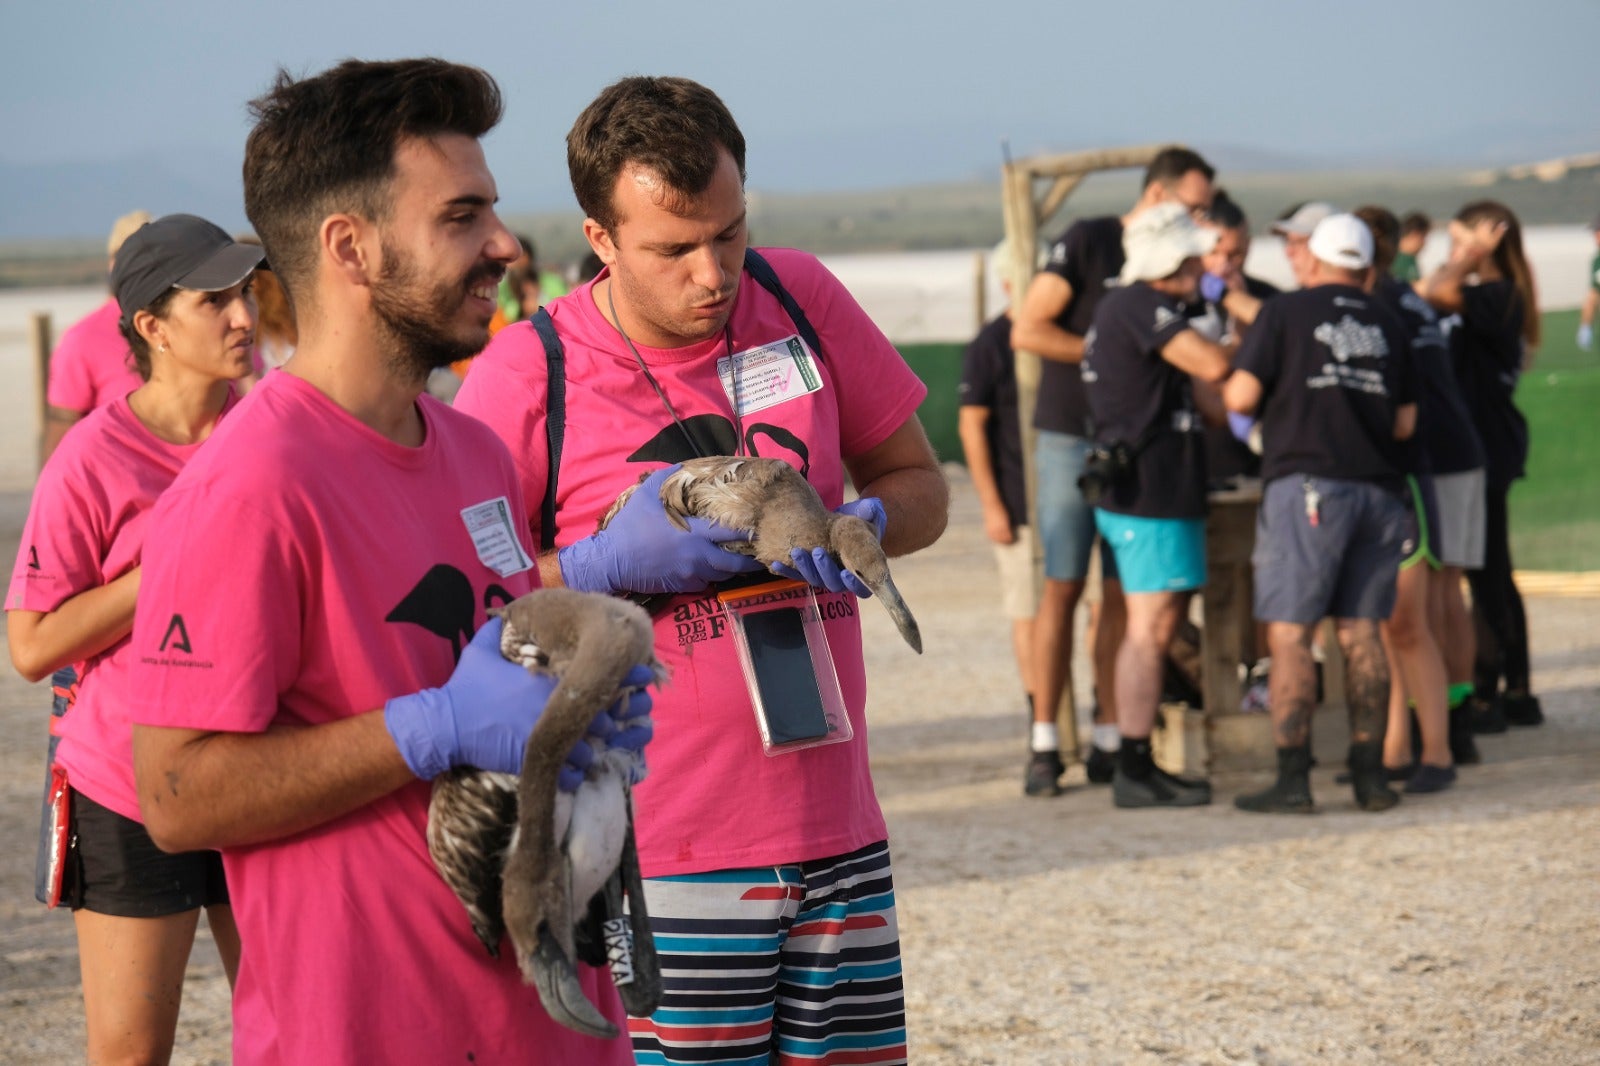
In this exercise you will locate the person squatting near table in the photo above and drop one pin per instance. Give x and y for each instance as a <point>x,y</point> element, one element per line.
<point>1147,476</point>
<point>1051,321</point>
<point>311,643</point>
<point>1331,376</point>
<point>1487,288</point>
<point>186,316</point>
<point>987,421</point>
<point>768,875</point>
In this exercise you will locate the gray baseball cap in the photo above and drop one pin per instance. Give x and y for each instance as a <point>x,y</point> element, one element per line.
<point>178,251</point>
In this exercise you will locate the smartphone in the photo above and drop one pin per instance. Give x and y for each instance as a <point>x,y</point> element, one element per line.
<point>785,678</point>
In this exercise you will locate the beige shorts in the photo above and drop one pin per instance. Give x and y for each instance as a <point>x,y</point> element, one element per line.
<point>1019,579</point>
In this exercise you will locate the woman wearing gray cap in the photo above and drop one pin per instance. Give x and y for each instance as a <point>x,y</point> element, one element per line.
<point>182,286</point>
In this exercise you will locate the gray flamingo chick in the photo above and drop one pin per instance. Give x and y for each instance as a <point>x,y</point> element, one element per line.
<point>780,510</point>
<point>553,869</point>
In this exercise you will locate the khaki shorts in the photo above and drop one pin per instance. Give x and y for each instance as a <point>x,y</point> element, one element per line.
<point>1019,581</point>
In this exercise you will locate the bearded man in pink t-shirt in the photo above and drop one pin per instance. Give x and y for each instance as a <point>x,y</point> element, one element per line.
<point>310,644</point>
<point>769,875</point>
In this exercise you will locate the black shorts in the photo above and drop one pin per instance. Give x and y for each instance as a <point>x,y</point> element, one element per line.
<point>113,867</point>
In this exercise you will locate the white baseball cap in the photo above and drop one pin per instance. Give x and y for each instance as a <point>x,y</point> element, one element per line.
<point>1158,239</point>
<point>1343,241</point>
<point>1303,219</point>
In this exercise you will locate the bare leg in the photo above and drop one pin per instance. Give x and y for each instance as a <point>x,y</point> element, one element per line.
<point>1366,679</point>
<point>1109,625</point>
<point>1397,737</point>
<point>1151,619</point>
<point>1052,645</point>
<point>1421,675</point>
<point>226,935</point>
<point>1292,684</point>
<point>1459,636</point>
<point>132,971</point>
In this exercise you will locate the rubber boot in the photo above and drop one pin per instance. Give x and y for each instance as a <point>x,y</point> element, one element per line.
<point>1463,749</point>
<point>1368,778</point>
<point>1292,792</point>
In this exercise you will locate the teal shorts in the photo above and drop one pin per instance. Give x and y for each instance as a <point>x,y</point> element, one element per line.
<point>1156,554</point>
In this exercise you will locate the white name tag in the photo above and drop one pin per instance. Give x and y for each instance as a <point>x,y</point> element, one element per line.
<point>489,526</point>
<point>772,374</point>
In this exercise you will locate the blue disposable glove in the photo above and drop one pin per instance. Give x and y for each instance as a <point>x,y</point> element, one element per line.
<point>1585,336</point>
<point>640,550</point>
<point>817,567</point>
<point>624,726</point>
<point>1212,287</point>
<point>1240,425</point>
<point>483,715</point>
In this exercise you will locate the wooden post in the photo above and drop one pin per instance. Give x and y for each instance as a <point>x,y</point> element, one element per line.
<point>40,336</point>
<point>980,290</point>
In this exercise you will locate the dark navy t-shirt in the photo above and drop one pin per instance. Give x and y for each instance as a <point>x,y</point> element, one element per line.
<point>1089,257</point>
<point>989,379</point>
<point>1446,441</point>
<point>1486,348</point>
<point>1333,368</point>
<point>1136,396</point>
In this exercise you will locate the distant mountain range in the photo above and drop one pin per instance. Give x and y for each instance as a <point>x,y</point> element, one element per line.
<point>864,174</point>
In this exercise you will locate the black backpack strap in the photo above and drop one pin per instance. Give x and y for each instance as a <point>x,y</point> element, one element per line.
<point>757,267</point>
<point>554,423</point>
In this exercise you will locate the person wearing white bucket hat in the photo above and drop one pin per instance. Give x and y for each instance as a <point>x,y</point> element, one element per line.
<point>1331,373</point>
<point>1147,476</point>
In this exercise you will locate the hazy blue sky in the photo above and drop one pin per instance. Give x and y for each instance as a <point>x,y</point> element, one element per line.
<point>831,95</point>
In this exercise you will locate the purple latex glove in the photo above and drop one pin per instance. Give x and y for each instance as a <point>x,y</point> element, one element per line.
<point>1212,287</point>
<point>822,570</point>
<point>1240,425</point>
<point>642,551</point>
<point>483,715</point>
<point>624,726</point>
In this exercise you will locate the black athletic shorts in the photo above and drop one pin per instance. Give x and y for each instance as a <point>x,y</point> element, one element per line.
<point>113,867</point>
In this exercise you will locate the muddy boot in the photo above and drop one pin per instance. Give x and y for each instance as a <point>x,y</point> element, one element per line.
<point>1292,793</point>
<point>1368,778</point>
<point>1463,749</point>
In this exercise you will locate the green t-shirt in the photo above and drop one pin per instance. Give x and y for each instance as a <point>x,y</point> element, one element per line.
<point>1594,272</point>
<point>1404,267</point>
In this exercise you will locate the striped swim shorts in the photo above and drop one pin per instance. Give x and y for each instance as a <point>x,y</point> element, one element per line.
<point>789,964</point>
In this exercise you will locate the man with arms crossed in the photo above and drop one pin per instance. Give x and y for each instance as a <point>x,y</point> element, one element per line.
<point>1331,375</point>
<point>326,560</point>
<point>770,886</point>
<point>1054,316</point>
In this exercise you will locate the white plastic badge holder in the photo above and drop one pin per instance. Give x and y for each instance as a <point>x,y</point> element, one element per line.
<point>788,669</point>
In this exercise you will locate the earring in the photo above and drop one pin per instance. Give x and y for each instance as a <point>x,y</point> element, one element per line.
<point>163,349</point>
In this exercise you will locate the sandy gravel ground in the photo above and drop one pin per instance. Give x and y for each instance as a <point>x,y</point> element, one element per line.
<point>1460,928</point>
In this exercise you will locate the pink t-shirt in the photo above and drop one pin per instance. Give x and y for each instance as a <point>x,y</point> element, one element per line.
<point>304,569</point>
<point>86,528</point>
<point>713,799</point>
<point>91,365</point>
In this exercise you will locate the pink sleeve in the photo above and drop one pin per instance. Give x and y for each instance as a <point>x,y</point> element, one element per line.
<point>71,385</point>
<point>60,553</point>
<point>877,391</point>
<point>230,600</point>
<point>505,389</point>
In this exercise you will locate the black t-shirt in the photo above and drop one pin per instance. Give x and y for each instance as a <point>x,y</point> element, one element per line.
<point>1227,457</point>
<point>1333,368</point>
<point>1089,257</point>
<point>1135,395</point>
<point>989,379</point>
<point>1486,348</point>
<point>1445,441</point>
